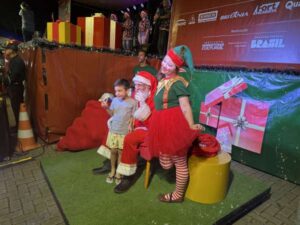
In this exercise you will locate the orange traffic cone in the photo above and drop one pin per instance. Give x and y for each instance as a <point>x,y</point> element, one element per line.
<point>26,140</point>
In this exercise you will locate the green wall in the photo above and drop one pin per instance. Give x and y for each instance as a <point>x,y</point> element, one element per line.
<point>281,144</point>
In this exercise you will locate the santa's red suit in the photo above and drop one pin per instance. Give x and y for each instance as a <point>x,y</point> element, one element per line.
<point>142,118</point>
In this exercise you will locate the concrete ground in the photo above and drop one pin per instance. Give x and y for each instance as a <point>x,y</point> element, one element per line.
<point>26,199</point>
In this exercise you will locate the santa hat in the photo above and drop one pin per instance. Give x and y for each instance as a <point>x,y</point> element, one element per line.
<point>145,77</point>
<point>181,55</point>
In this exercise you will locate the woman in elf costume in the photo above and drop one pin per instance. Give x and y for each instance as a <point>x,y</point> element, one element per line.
<point>172,129</point>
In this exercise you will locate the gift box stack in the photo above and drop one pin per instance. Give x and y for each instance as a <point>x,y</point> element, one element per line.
<point>52,31</point>
<point>240,122</point>
<point>96,30</point>
<point>75,34</point>
<point>63,32</point>
<point>81,24</point>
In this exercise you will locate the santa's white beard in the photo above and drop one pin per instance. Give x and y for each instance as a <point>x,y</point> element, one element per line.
<point>141,96</point>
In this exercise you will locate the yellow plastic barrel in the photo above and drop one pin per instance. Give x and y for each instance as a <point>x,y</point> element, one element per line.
<point>208,178</point>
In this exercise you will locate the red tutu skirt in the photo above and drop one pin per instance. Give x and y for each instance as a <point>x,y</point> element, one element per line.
<point>169,133</point>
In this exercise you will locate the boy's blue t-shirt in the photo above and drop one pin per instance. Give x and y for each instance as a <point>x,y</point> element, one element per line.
<point>122,112</point>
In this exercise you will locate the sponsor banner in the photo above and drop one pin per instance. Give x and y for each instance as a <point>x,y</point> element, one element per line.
<point>181,22</point>
<point>192,19</point>
<point>267,43</point>
<point>252,34</point>
<point>213,45</point>
<point>266,8</point>
<point>207,16</point>
<point>291,5</point>
<point>234,15</point>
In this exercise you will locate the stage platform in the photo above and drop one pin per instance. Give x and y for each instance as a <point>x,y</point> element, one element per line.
<point>87,199</point>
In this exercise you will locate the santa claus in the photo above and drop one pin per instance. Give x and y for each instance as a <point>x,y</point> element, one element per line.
<point>145,88</point>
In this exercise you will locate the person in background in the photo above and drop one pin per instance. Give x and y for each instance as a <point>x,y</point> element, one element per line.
<point>144,28</point>
<point>162,17</point>
<point>143,64</point>
<point>27,21</point>
<point>127,37</point>
<point>172,129</point>
<point>121,110</point>
<point>14,78</point>
<point>114,17</point>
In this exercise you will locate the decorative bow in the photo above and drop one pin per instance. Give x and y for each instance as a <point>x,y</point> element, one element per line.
<point>227,89</point>
<point>241,122</point>
<point>208,114</point>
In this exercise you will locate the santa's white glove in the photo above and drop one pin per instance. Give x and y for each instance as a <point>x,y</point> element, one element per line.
<point>142,113</point>
<point>141,96</point>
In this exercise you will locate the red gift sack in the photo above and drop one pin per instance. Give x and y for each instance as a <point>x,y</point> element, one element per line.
<point>87,131</point>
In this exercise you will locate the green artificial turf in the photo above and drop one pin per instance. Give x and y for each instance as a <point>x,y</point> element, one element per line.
<point>87,199</point>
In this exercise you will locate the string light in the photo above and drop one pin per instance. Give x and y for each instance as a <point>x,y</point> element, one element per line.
<point>142,5</point>
<point>134,7</point>
<point>128,10</point>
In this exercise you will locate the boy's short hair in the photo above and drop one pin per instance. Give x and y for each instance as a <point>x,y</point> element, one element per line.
<point>122,82</point>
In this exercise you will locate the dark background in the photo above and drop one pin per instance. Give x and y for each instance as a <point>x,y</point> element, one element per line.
<point>10,21</point>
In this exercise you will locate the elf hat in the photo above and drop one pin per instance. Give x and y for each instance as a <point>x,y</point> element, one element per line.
<point>181,55</point>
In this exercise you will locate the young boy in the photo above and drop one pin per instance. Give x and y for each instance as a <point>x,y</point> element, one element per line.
<point>121,110</point>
